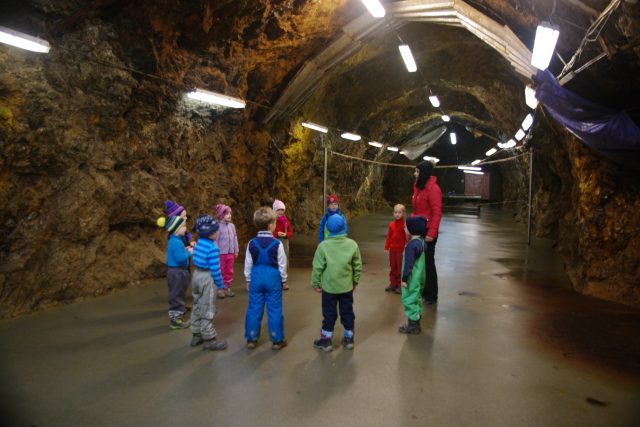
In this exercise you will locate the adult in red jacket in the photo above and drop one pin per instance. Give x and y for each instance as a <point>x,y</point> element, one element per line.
<point>427,202</point>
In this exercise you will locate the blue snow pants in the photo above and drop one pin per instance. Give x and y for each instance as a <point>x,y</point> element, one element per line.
<point>265,288</point>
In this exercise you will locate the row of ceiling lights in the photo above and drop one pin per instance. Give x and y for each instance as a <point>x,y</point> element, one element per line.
<point>544,45</point>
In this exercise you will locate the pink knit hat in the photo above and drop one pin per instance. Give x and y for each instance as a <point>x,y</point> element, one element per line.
<point>278,204</point>
<point>221,210</point>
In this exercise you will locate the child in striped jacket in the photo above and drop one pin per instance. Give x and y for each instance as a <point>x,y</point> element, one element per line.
<point>206,259</point>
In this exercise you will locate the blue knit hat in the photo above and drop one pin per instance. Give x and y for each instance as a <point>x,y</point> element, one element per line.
<point>336,225</point>
<point>171,223</point>
<point>206,225</point>
<point>417,225</point>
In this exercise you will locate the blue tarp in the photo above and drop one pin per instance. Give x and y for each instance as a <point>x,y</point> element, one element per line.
<point>607,131</point>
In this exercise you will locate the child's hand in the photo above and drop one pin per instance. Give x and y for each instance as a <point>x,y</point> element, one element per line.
<point>319,290</point>
<point>428,239</point>
<point>236,254</point>
<point>192,244</point>
<point>247,285</point>
<point>404,284</point>
<point>355,285</point>
<point>281,234</point>
<point>386,250</point>
<point>190,249</point>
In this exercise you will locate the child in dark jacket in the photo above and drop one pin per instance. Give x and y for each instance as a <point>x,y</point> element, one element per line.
<point>178,274</point>
<point>265,271</point>
<point>413,274</point>
<point>394,245</point>
<point>333,208</point>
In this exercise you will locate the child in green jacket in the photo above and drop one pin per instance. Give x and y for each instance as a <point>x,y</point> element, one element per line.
<point>336,272</point>
<point>413,274</point>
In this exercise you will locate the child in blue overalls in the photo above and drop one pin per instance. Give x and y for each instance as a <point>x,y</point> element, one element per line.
<point>265,271</point>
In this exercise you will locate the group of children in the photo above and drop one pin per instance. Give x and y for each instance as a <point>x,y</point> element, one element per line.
<point>337,266</point>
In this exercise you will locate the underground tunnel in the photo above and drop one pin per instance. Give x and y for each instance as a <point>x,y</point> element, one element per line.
<point>109,108</point>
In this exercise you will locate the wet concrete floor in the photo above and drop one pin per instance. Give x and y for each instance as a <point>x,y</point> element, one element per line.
<point>509,344</point>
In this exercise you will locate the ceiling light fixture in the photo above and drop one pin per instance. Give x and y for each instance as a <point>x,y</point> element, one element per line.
<point>315,126</point>
<point>434,101</point>
<point>544,45</point>
<point>475,162</point>
<point>375,144</point>
<point>470,168</point>
<point>216,98</point>
<point>530,97</point>
<point>431,159</point>
<point>407,57</point>
<point>445,118</point>
<point>491,152</point>
<point>392,148</point>
<point>23,41</point>
<point>453,138</point>
<point>351,136</point>
<point>474,172</point>
<point>527,122</point>
<point>509,144</point>
<point>520,134</point>
<point>375,8</point>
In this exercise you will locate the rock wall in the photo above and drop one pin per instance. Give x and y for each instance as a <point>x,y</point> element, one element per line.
<point>97,134</point>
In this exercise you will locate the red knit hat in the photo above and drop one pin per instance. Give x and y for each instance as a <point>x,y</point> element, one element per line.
<point>333,198</point>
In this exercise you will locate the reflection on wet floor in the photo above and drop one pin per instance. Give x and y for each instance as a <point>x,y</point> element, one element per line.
<point>509,343</point>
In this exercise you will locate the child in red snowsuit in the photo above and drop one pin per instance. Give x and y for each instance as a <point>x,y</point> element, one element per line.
<point>283,231</point>
<point>396,240</point>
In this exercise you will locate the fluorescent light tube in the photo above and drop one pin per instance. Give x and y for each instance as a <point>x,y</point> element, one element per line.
<point>527,122</point>
<point>216,98</point>
<point>351,136</point>
<point>470,168</point>
<point>314,126</point>
<point>434,101</point>
<point>453,138</point>
<point>375,8</point>
<point>509,144</point>
<point>544,45</point>
<point>445,118</point>
<point>520,134</point>
<point>375,144</point>
<point>407,57</point>
<point>530,97</point>
<point>392,148</point>
<point>491,152</point>
<point>23,41</point>
<point>474,172</point>
<point>475,162</point>
<point>431,159</point>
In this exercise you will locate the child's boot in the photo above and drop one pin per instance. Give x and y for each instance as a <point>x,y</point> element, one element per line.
<point>178,323</point>
<point>196,340</point>
<point>221,294</point>
<point>323,344</point>
<point>214,345</point>
<point>412,327</point>
<point>229,293</point>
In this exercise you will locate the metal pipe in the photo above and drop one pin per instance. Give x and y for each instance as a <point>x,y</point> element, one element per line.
<point>530,191</point>
<point>324,187</point>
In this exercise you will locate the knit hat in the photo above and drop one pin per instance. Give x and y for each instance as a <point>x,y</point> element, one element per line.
<point>221,210</point>
<point>336,225</point>
<point>171,223</point>
<point>278,204</point>
<point>205,225</point>
<point>333,198</point>
<point>172,208</point>
<point>417,225</point>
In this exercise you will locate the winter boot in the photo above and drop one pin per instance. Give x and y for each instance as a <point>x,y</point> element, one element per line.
<point>412,327</point>
<point>178,323</point>
<point>214,345</point>
<point>323,344</point>
<point>347,343</point>
<point>279,345</point>
<point>196,340</point>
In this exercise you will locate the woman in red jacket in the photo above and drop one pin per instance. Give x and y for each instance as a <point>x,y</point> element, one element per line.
<point>396,239</point>
<point>427,202</point>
